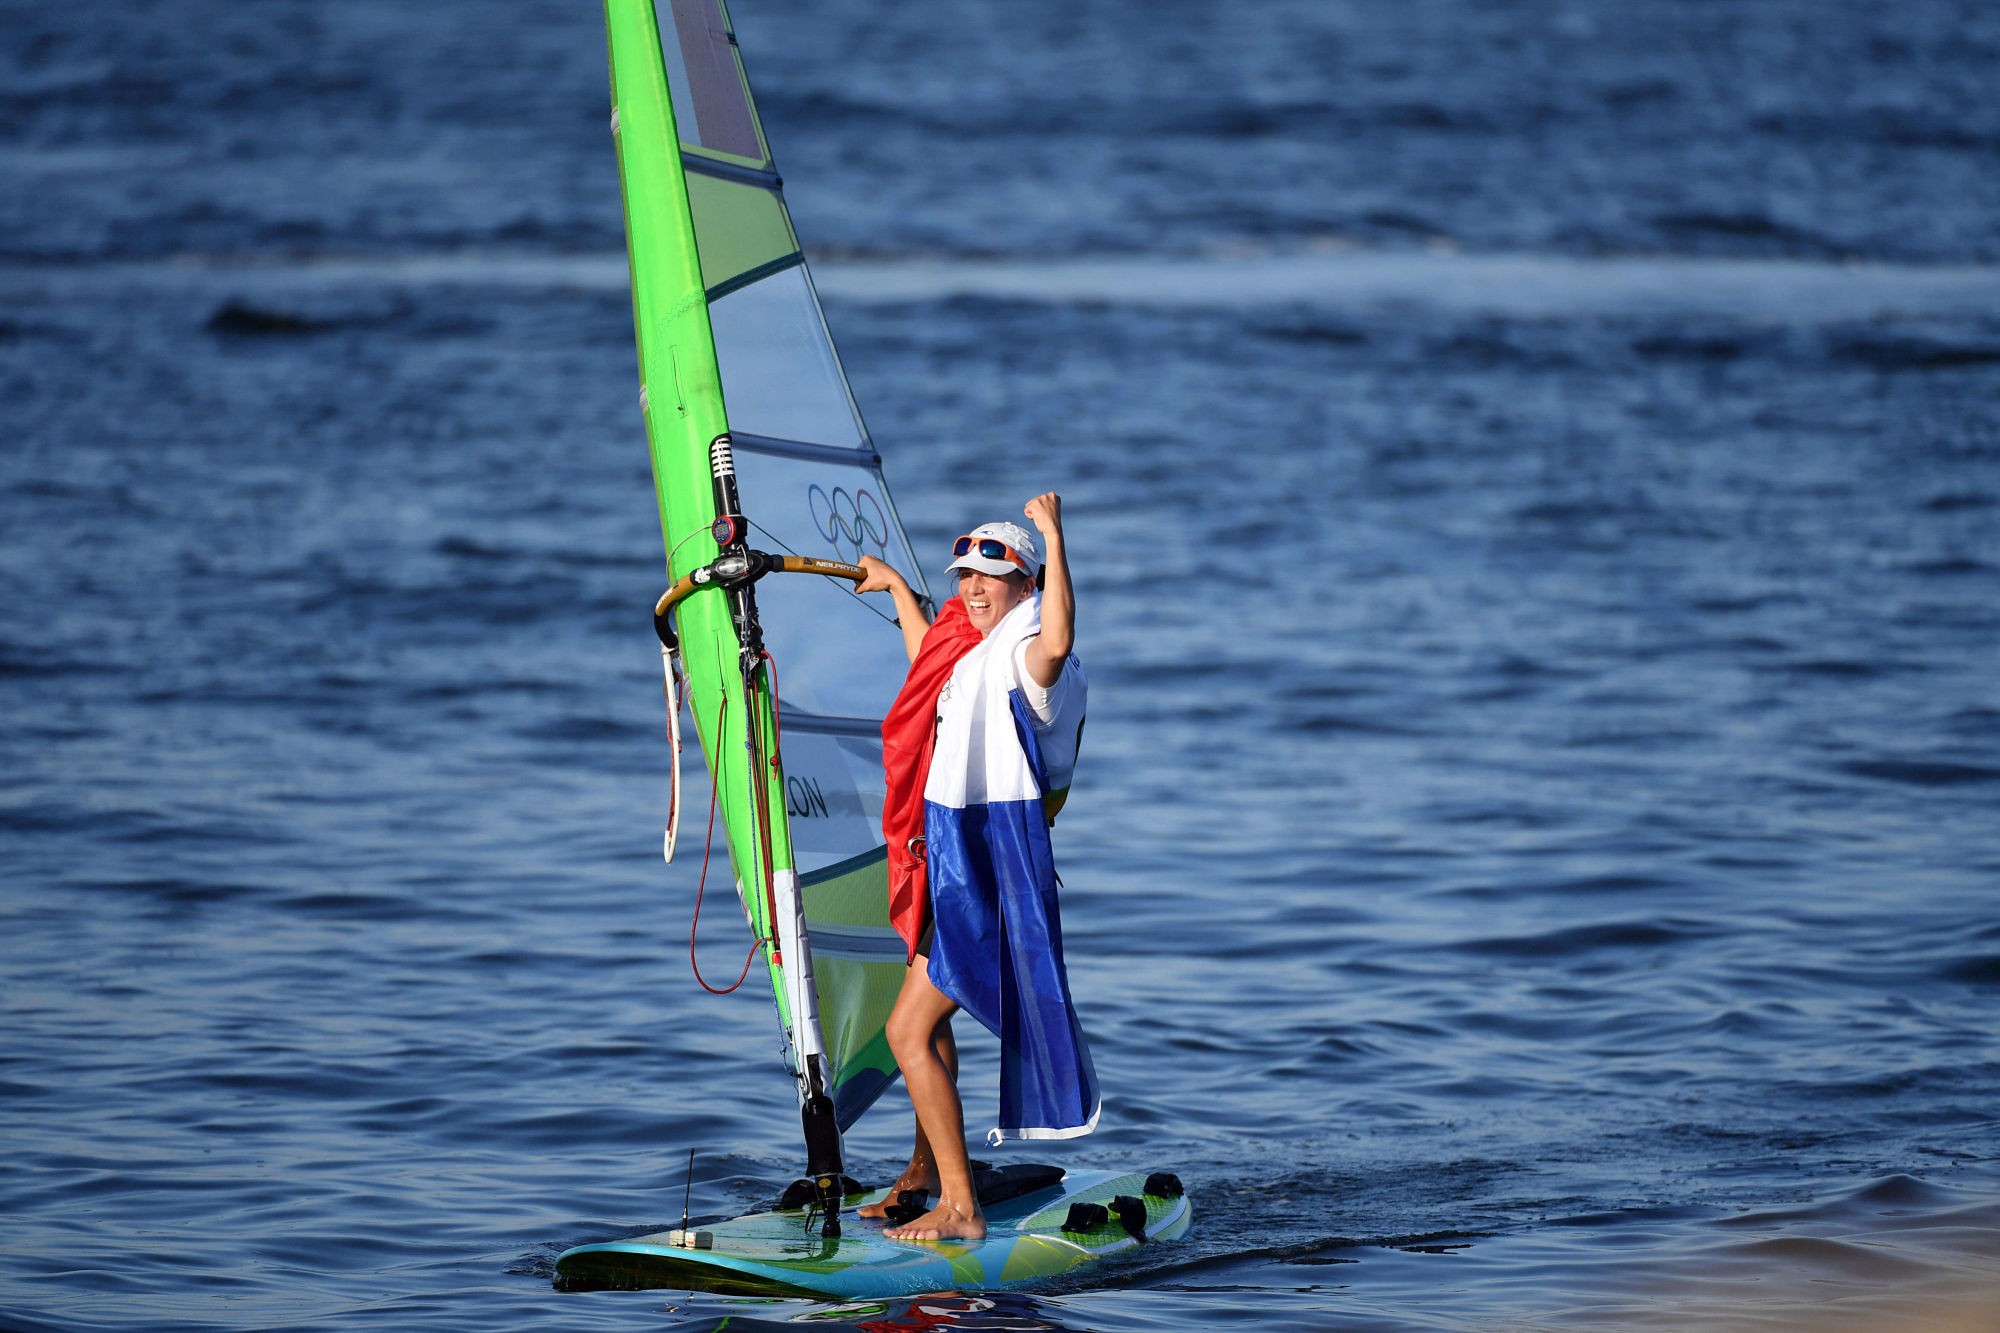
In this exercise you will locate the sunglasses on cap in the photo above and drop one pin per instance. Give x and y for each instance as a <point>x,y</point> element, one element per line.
<point>990,548</point>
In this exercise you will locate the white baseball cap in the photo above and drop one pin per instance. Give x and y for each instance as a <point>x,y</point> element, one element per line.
<point>975,550</point>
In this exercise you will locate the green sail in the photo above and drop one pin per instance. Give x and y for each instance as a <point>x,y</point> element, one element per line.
<point>732,342</point>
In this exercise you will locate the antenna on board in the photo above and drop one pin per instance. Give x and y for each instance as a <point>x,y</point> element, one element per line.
<point>682,1237</point>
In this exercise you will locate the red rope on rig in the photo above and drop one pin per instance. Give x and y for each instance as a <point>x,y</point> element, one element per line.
<point>777,730</point>
<point>707,848</point>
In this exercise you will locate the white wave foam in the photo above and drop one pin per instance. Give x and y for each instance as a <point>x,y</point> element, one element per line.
<point>1508,285</point>
<point>1519,285</point>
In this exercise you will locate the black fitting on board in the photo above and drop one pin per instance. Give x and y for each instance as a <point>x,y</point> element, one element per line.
<point>1131,1215</point>
<point>1085,1217</point>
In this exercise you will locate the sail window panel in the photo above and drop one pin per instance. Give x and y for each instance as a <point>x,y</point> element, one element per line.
<point>779,373</point>
<point>836,655</point>
<point>835,511</point>
<point>833,795</point>
<point>737,228</point>
<point>711,98</point>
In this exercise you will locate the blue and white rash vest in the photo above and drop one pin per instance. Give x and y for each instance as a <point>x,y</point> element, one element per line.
<point>1002,744</point>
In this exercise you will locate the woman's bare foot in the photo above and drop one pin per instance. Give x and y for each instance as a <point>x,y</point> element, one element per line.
<point>948,1221</point>
<point>918,1180</point>
<point>895,1199</point>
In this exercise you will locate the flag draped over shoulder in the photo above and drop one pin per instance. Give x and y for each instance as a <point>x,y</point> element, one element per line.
<point>908,732</point>
<point>997,949</point>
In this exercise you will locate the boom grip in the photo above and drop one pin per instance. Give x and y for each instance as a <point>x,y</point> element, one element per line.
<point>748,567</point>
<point>806,564</point>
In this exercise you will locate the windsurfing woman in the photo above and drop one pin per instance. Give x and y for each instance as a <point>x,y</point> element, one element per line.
<point>979,748</point>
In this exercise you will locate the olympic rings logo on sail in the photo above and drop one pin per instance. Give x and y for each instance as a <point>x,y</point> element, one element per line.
<point>852,523</point>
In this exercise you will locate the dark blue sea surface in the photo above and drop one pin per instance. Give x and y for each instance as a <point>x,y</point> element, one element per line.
<point>1533,474</point>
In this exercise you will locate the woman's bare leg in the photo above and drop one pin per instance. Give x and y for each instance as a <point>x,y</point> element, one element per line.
<point>921,1175</point>
<point>921,1009</point>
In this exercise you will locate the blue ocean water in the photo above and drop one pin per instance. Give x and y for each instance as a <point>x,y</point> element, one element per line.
<point>1534,480</point>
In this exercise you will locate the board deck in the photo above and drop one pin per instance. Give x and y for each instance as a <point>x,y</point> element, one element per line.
<point>772,1253</point>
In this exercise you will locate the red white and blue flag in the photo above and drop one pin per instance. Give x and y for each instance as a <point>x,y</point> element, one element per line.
<point>997,948</point>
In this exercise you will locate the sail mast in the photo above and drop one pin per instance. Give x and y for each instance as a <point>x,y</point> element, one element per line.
<point>701,515</point>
